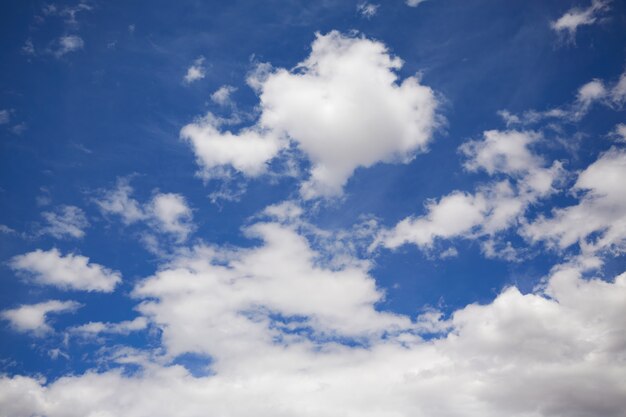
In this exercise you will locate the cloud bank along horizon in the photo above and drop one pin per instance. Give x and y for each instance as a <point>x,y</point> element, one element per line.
<point>343,227</point>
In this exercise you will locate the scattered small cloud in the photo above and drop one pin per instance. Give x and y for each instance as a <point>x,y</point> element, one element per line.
<point>196,71</point>
<point>414,3</point>
<point>68,13</point>
<point>96,328</point>
<point>67,44</point>
<point>19,128</point>
<point>610,94</point>
<point>33,318</point>
<point>6,230</point>
<point>367,10</point>
<point>166,213</point>
<point>620,132</point>
<point>569,23</point>
<point>5,117</point>
<point>222,95</point>
<point>28,48</point>
<point>65,222</point>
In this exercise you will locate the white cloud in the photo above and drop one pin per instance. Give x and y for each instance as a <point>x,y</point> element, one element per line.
<point>70,13</point>
<point>67,44</point>
<point>598,221</point>
<point>414,3</point>
<point>95,328</point>
<point>576,17</point>
<point>69,272</point>
<point>611,94</point>
<point>620,132</point>
<point>33,317</point>
<point>167,213</point>
<point>588,94</point>
<point>196,71</point>
<point>222,95</point>
<point>493,207</point>
<point>119,202</point>
<point>231,297</point>
<point>342,107</point>
<point>367,10</point>
<point>618,92</point>
<point>171,214</point>
<point>6,230</point>
<point>502,152</point>
<point>247,151</point>
<point>453,215</point>
<point>65,222</point>
<point>555,352</point>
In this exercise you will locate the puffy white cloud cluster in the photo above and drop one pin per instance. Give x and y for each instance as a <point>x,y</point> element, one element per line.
<point>493,207</point>
<point>598,220</point>
<point>295,325</point>
<point>69,272</point>
<point>260,315</point>
<point>343,107</point>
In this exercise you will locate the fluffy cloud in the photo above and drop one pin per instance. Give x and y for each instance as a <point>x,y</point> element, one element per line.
<point>453,215</point>
<point>65,222</point>
<point>167,213</point>
<point>33,317</point>
<point>222,95</point>
<point>247,151</point>
<point>119,202</point>
<point>491,208</point>
<point>554,352</point>
<point>240,299</point>
<point>342,106</point>
<point>196,71</point>
<point>574,18</point>
<point>171,214</point>
<point>598,221</point>
<point>70,272</point>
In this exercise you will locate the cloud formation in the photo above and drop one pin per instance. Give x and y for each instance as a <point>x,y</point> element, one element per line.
<point>67,44</point>
<point>501,358</point>
<point>65,222</point>
<point>343,107</point>
<point>598,220</point>
<point>67,272</point>
<point>33,318</point>
<point>196,71</point>
<point>576,17</point>
<point>522,178</point>
<point>166,213</point>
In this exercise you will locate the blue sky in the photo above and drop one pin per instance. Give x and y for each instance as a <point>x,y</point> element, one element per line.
<point>313,208</point>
